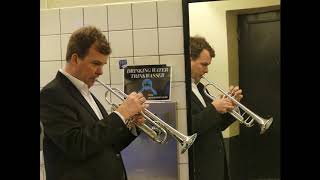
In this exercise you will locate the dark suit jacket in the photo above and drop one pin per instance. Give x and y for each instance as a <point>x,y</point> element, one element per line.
<point>209,151</point>
<point>77,145</point>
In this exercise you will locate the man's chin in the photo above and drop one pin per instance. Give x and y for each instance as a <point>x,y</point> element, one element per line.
<point>90,84</point>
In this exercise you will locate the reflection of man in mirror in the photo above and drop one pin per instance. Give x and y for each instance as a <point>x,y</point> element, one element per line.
<point>209,117</point>
<point>147,88</point>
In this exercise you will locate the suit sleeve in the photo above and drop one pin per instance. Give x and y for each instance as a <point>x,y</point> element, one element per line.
<point>76,138</point>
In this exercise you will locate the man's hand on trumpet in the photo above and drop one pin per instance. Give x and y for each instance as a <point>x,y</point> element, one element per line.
<point>224,104</point>
<point>133,105</point>
<point>137,119</point>
<point>236,93</point>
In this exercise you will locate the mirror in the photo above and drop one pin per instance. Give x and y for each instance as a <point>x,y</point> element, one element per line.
<point>245,36</point>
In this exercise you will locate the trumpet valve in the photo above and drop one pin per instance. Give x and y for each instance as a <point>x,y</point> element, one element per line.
<point>249,122</point>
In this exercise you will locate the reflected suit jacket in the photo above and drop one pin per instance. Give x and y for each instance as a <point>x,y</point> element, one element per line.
<point>209,156</point>
<point>77,145</point>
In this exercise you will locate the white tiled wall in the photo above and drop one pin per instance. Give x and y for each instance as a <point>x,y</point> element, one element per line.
<point>170,40</point>
<point>71,19</point>
<point>48,70</point>
<point>169,13</point>
<point>49,22</point>
<point>145,42</point>
<point>146,60</point>
<point>97,16</point>
<point>144,15</point>
<point>50,48</point>
<point>176,62</point>
<point>143,33</point>
<point>121,43</point>
<point>119,17</point>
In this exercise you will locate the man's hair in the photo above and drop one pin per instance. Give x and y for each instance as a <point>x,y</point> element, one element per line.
<point>197,44</point>
<point>82,39</point>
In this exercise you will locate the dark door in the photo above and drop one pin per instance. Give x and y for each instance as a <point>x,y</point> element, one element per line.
<point>259,77</point>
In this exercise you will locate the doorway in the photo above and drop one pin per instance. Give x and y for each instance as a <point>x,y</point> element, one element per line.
<point>259,78</point>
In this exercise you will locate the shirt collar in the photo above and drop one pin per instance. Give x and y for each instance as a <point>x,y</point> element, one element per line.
<point>81,86</point>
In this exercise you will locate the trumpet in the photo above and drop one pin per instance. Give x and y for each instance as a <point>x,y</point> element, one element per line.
<point>250,117</point>
<point>159,129</point>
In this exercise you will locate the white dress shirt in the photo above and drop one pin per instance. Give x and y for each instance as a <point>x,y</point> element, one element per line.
<point>195,90</point>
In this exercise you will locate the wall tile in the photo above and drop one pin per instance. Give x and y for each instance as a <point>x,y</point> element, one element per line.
<point>119,17</point>
<point>50,48</point>
<point>48,71</point>
<point>49,22</point>
<point>182,158</point>
<point>169,13</point>
<point>178,94</point>
<point>177,66</point>
<point>145,42</point>
<point>96,16</point>
<point>121,43</point>
<point>182,128</point>
<point>144,15</point>
<point>71,19</point>
<point>182,121</point>
<point>171,40</point>
<point>116,73</point>
<point>146,60</point>
<point>183,170</point>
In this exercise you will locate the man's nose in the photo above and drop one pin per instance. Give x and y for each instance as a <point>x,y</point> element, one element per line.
<point>99,71</point>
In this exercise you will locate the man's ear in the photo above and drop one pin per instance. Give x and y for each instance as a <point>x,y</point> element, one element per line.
<point>74,59</point>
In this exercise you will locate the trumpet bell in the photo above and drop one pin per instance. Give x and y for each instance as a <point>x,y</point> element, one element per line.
<point>188,142</point>
<point>266,125</point>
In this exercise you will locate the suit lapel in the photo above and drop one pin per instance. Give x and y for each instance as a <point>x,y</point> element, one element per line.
<point>71,89</point>
<point>206,99</point>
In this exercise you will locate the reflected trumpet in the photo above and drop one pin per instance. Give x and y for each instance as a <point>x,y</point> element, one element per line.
<point>159,129</point>
<point>250,117</point>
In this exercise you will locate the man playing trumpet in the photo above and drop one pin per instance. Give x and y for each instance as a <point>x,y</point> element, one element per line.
<point>81,140</point>
<point>209,117</point>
